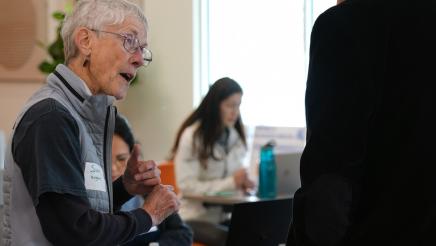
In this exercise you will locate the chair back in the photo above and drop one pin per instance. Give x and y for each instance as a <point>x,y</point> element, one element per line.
<point>168,175</point>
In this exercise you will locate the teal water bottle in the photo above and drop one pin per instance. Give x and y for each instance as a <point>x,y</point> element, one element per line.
<point>267,172</point>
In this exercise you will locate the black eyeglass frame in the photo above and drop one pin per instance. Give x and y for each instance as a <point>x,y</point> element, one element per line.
<point>147,55</point>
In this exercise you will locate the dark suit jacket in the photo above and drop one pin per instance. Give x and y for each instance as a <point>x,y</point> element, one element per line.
<point>368,171</point>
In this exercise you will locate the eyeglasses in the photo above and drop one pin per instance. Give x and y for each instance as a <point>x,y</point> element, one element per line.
<point>131,44</point>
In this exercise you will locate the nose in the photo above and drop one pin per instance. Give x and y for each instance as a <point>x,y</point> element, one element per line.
<point>236,111</point>
<point>137,59</point>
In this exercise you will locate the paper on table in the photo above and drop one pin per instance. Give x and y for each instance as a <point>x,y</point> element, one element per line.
<point>221,193</point>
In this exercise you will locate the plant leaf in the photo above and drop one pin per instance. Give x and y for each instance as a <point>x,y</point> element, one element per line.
<point>46,67</point>
<point>58,15</point>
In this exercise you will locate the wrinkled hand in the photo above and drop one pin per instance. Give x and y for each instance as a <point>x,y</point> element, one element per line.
<point>140,176</point>
<point>161,203</point>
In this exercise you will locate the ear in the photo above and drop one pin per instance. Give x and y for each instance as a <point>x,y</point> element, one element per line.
<point>83,38</point>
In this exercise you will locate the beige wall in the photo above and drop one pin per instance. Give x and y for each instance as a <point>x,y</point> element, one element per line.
<point>162,98</point>
<point>13,95</point>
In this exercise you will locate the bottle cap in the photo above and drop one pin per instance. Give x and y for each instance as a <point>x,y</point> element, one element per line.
<point>271,143</point>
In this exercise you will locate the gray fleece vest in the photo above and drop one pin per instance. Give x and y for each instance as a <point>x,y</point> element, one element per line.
<point>95,117</point>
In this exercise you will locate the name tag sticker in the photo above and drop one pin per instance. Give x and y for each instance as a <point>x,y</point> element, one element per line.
<point>94,177</point>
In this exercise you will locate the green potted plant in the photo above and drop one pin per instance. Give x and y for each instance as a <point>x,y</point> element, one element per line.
<point>56,49</point>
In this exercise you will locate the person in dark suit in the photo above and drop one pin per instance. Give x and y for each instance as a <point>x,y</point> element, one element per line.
<point>368,168</point>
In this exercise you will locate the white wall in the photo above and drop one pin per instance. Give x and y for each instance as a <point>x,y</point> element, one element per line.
<point>155,106</point>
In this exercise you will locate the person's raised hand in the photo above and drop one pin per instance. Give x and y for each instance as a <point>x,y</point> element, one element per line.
<point>160,203</point>
<point>248,184</point>
<point>140,176</point>
<point>240,176</point>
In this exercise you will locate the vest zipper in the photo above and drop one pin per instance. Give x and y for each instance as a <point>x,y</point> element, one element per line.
<point>105,159</point>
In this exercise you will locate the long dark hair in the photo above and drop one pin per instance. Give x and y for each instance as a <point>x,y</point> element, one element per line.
<point>123,129</point>
<point>209,117</point>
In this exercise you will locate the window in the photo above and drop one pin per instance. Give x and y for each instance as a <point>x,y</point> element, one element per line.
<point>263,45</point>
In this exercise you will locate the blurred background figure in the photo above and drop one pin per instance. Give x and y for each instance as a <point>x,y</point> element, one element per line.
<point>172,231</point>
<point>208,153</point>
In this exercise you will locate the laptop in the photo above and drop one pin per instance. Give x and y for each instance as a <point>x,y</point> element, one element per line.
<point>288,173</point>
<point>262,223</point>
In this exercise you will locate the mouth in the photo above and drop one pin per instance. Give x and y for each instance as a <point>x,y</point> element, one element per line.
<point>232,121</point>
<point>127,76</point>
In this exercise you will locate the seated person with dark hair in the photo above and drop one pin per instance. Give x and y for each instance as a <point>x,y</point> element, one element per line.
<point>172,231</point>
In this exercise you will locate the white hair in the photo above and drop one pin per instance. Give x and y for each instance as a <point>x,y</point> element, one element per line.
<point>96,14</point>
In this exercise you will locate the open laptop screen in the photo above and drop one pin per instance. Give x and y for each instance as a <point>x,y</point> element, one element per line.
<point>288,173</point>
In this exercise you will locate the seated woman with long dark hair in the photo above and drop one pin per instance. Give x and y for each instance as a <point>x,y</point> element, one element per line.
<point>208,153</point>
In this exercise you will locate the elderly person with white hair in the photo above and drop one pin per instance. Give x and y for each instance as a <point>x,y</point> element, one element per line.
<point>58,188</point>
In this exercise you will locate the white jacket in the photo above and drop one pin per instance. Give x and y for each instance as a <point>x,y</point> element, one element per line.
<point>192,178</point>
